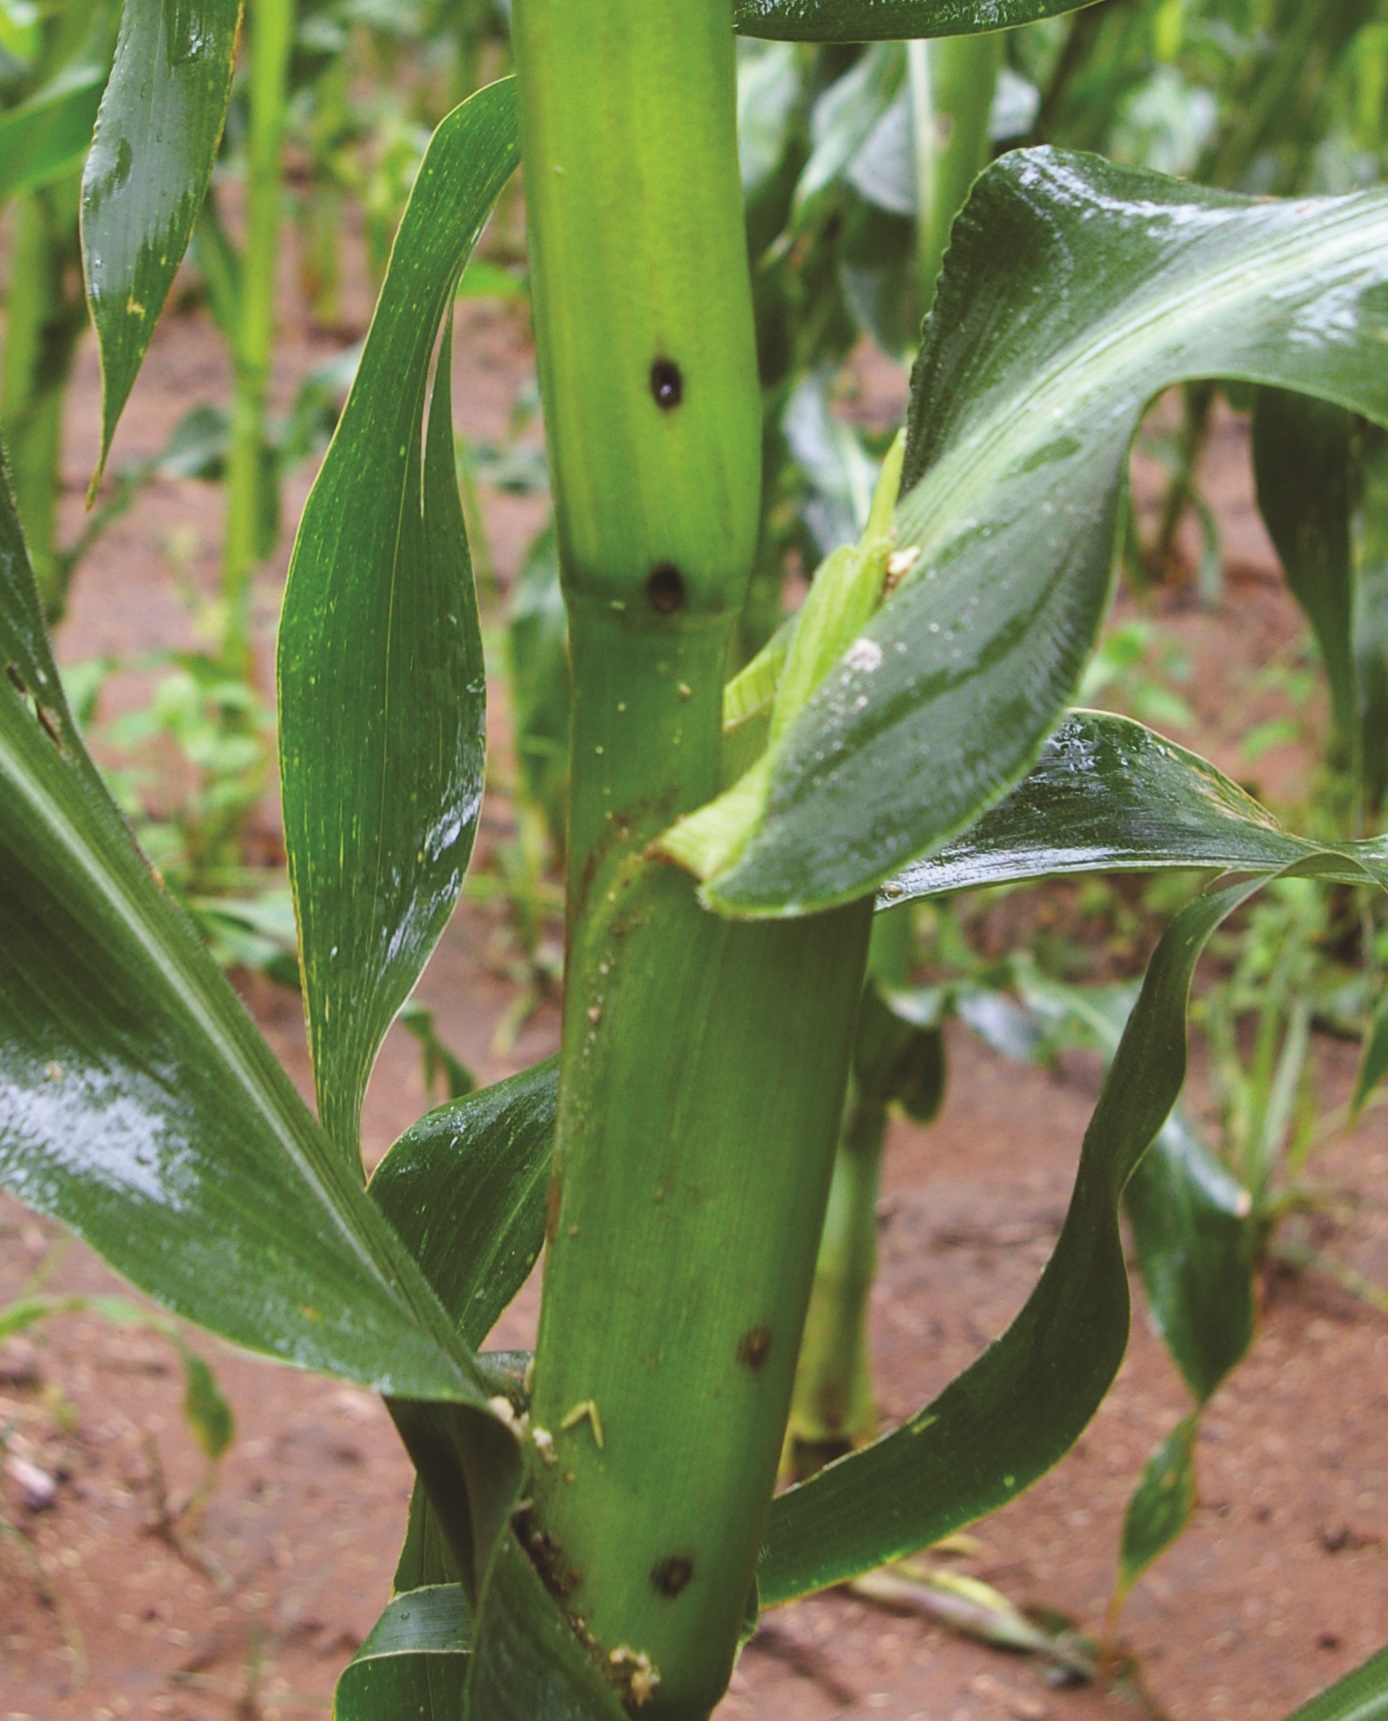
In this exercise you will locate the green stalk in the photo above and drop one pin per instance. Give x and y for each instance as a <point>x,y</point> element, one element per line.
<point>834,1408</point>
<point>704,1062</point>
<point>44,318</point>
<point>271,27</point>
<point>951,83</point>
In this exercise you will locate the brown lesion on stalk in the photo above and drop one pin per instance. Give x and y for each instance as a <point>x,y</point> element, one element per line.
<point>755,1348</point>
<point>670,1576</point>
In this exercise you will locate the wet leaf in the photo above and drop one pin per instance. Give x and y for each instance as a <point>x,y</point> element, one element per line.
<point>1108,795</point>
<point>1021,1406</point>
<point>465,1188</point>
<point>156,138</point>
<point>139,1105</point>
<point>1073,291</point>
<point>412,1664</point>
<point>887,20</point>
<point>382,688</point>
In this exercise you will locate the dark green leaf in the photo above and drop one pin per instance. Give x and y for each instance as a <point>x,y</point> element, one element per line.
<point>896,1061</point>
<point>1303,460</point>
<point>528,1664</point>
<point>1371,617</point>
<point>425,1556</point>
<point>382,690</point>
<point>151,158</point>
<point>412,1665</point>
<point>1191,1218</point>
<point>466,1187</point>
<point>1161,1505</point>
<point>1073,291</point>
<point>1107,795</point>
<point>887,20</point>
<point>1195,1250</point>
<point>1359,1696</point>
<point>1024,1402</point>
<point>139,1105</point>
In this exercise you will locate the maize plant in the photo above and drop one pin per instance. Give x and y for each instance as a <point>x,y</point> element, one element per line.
<point>594,1529</point>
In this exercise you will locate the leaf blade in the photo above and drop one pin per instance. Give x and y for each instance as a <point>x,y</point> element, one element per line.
<point>139,1105</point>
<point>382,688</point>
<point>1022,1404</point>
<point>1073,291</point>
<point>1109,795</point>
<point>156,138</point>
<point>466,1189</point>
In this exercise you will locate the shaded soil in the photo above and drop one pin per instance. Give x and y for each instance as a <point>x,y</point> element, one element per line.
<point>115,1601</point>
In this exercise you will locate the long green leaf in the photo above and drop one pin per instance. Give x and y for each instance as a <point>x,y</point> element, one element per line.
<point>411,1666</point>
<point>466,1187</point>
<point>382,689</point>
<point>1359,1696</point>
<point>1073,291</point>
<point>1189,1214</point>
<point>887,20</point>
<point>1108,795</point>
<point>1303,462</point>
<point>156,138</point>
<point>1024,1402</point>
<point>139,1105</point>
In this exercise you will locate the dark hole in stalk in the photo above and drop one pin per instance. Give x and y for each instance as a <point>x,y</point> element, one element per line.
<point>671,1575</point>
<point>667,384</point>
<point>755,1348</point>
<point>665,589</point>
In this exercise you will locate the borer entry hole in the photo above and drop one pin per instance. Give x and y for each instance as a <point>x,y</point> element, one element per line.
<point>667,384</point>
<point>670,1576</point>
<point>665,588</point>
<point>755,1348</point>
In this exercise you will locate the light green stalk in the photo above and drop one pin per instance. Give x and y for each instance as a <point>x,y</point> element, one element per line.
<point>704,1062</point>
<point>834,1409</point>
<point>271,29</point>
<point>951,83</point>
